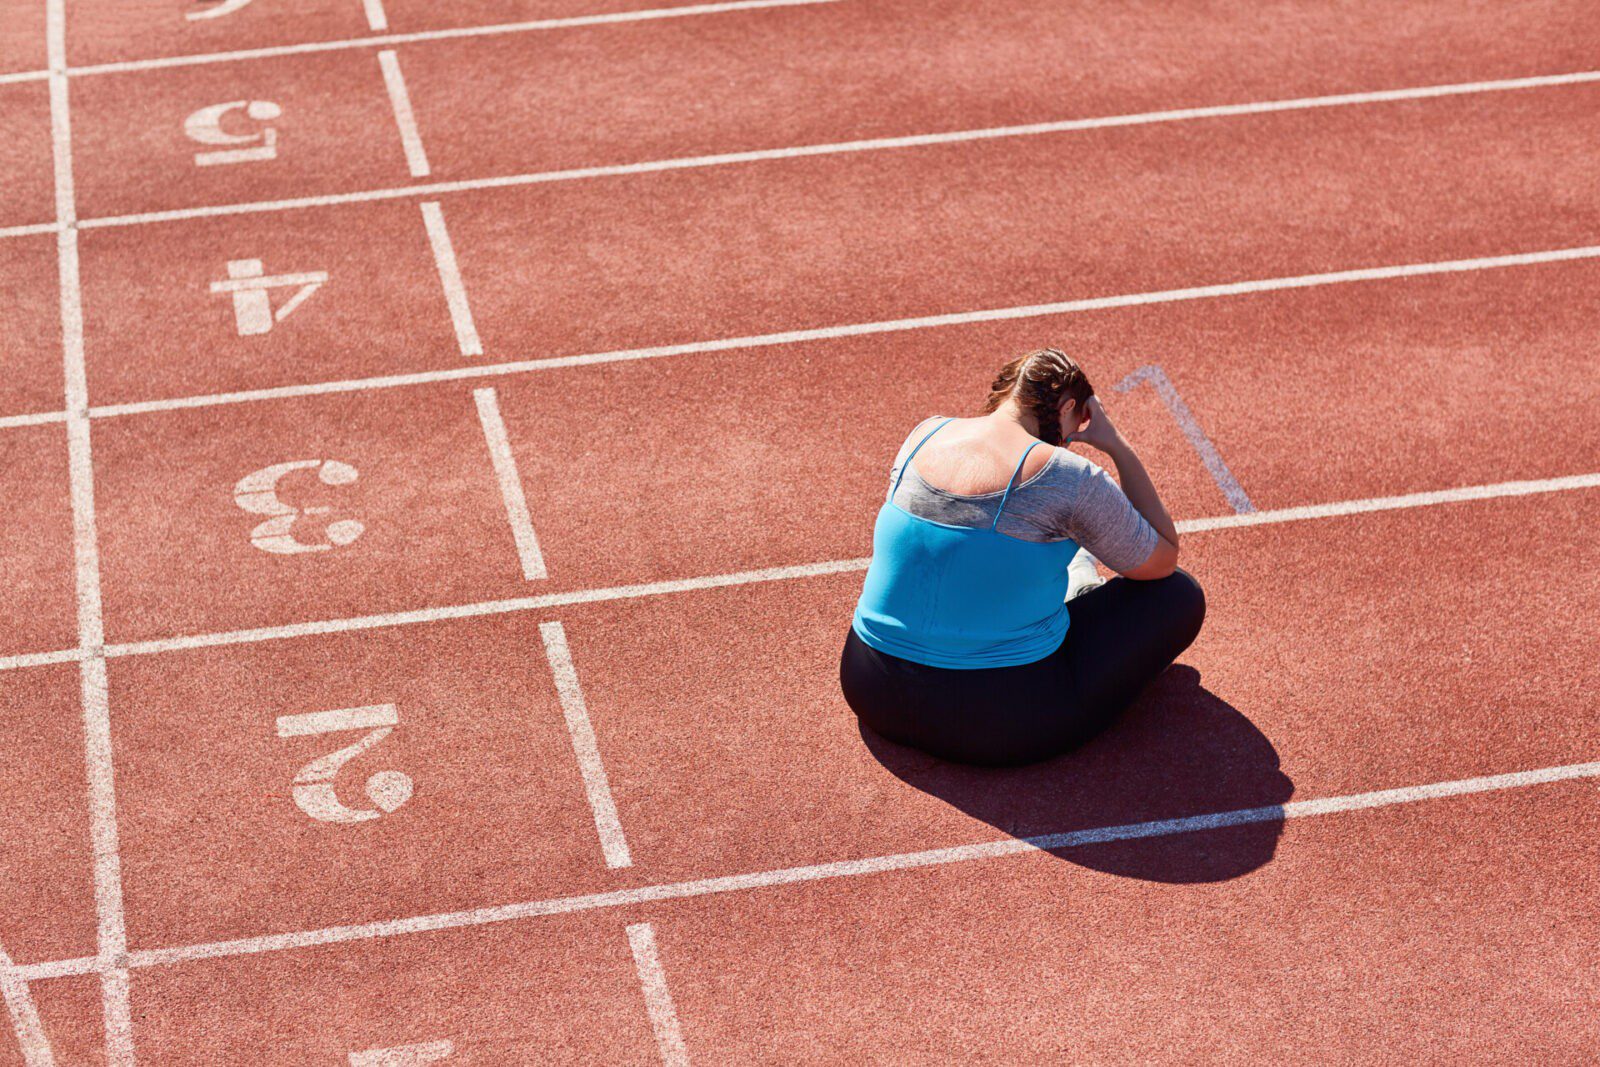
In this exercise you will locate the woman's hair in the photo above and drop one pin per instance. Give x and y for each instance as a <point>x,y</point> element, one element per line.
<point>1041,381</point>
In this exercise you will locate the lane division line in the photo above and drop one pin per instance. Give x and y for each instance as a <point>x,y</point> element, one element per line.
<point>25,1022</point>
<point>546,601</point>
<point>859,329</point>
<point>840,869</point>
<point>921,140</point>
<point>404,118</point>
<point>455,290</point>
<point>657,998</point>
<point>111,928</point>
<point>377,18</point>
<point>510,481</point>
<point>456,33</point>
<point>613,845</point>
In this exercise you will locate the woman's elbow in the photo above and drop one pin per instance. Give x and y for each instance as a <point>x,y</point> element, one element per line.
<point>1163,561</point>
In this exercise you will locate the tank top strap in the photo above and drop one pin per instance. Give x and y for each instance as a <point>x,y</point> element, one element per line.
<point>907,464</point>
<point>1012,484</point>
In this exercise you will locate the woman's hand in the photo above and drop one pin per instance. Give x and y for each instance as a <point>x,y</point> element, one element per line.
<point>1098,432</point>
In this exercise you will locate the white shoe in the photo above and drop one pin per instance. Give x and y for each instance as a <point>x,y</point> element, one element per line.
<point>1082,575</point>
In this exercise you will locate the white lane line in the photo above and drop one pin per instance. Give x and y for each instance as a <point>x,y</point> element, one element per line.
<point>505,472</point>
<point>841,147</point>
<point>112,940</point>
<point>498,29</point>
<point>30,228</point>
<point>546,601</point>
<point>1498,490</point>
<point>67,968</point>
<point>37,418</point>
<point>860,329</point>
<point>13,77</point>
<point>657,998</point>
<point>455,291</point>
<point>613,845</point>
<point>25,1022</point>
<point>40,659</point>
<point>377,18</point>
<point>404,118</point>
<point>873,865</point>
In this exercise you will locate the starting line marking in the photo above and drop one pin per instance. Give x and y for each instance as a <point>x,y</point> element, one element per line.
<point>455,290</point>
<point>772,574</point>
<point>510,481</point>
<point>657,998</point>
<point>111,939</point>
<point>584,745</point>
<point>1297,809</point>
<point>1379,96</point>
<point>24,1013</point>
<point>377,18</point>
<point>404,118</point>
<point>824,333</point>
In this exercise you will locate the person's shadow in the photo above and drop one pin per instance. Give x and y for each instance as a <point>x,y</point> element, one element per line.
<point>1180,788</point>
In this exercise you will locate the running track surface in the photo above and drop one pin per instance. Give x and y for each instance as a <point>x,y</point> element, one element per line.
<point>438,445</point>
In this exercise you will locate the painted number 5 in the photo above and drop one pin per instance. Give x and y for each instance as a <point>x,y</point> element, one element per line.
<point>313,786</point>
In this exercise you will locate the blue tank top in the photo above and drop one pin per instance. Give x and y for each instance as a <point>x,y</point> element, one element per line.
<point>960,596</point>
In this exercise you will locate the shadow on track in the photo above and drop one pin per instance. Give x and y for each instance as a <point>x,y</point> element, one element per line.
<point>1178,752</point>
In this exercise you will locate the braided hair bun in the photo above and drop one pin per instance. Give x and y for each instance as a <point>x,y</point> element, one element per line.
<point>1041,381</point>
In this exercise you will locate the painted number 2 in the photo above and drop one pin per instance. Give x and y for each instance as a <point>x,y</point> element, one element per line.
<point>313,786</point>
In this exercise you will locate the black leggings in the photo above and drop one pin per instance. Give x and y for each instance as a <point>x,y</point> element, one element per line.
<point>1122,635</point>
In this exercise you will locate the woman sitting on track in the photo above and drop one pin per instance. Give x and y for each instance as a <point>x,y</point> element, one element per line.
<point>960,644</point>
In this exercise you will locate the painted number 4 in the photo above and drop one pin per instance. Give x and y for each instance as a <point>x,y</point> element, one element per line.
<point>313,786</point>
<point>250,287</point>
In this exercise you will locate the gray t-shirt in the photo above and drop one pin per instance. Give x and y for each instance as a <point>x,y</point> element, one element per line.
<point>1069,499</point>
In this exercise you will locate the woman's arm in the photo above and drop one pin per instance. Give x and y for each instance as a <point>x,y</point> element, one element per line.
<point>1101,433</point>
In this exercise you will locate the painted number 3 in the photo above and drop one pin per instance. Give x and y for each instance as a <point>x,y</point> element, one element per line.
<point>313,786</point>
<point>257,493</point>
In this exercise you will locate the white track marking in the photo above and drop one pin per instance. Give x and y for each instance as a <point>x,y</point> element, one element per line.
<point>831,148</point>
<point>612,843</point>
<point>403,1055</point>
<point>24,1013</point>
<point>836,148</point>
<point>687,11</point>
<point>30,228</point>
<point>40,659</point>
<point>505,472</point>
<point>657,998</point>
<point>377,18</point>
<point>873,865</point>
<point>112,944</point>
<point>1460,495</point>
<point>67,968</point>
<point>400,101</point>
<point>38,418</point>
<point>547,601</point>
<point>1198,440</point>
<point>861,329</point>
<point>455,291</point>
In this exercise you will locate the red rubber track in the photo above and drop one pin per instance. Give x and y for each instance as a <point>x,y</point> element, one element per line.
<point>1344,653</point>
